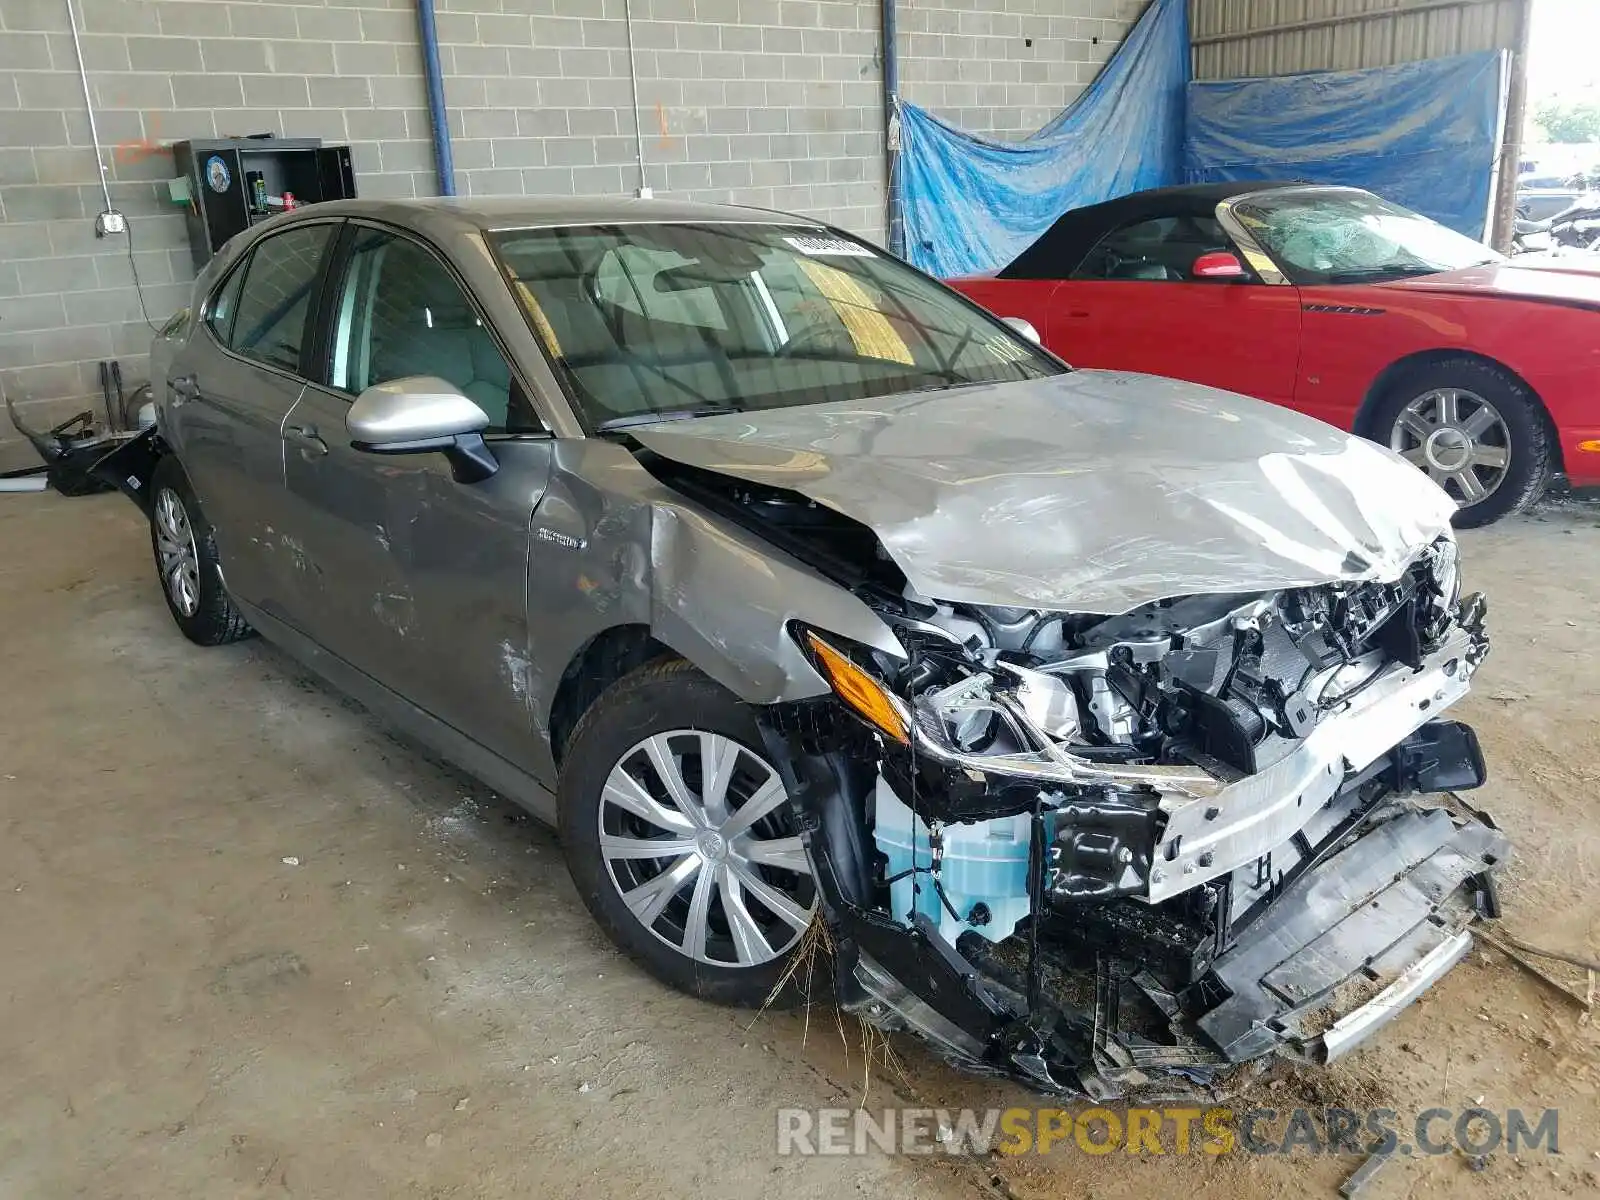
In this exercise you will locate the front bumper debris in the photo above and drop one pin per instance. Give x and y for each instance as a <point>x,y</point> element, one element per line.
<point>1305,952</point>
<point>80,460</point>
<point>1339,954</point>
<point>1356,939</point>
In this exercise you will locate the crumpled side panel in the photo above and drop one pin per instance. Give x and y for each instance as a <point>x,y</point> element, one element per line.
<point>725,603</point>
<point>611,546</point>
<point>1422,134</point>
<point>973,203</point>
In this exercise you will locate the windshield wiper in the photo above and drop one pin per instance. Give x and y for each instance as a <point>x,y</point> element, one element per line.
<point>1383,273</point>
<point>674,414</point>
<point>948,385</point>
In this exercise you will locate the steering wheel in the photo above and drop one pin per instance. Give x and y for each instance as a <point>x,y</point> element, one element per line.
<point>814,336</point>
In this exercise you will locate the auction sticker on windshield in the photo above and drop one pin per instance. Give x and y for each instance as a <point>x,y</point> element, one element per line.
<point>818,247</point>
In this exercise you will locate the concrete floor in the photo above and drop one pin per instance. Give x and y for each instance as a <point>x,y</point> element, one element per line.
<point>419,1005</point>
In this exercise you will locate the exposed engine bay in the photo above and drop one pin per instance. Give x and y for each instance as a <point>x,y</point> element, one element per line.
<point>1158,708</point>
<point>1092,850</point>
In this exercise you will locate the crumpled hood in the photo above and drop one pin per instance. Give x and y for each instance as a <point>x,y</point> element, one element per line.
<point>1092,491</point>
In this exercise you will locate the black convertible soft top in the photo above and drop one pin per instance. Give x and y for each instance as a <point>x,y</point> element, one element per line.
<point>1059,249</point>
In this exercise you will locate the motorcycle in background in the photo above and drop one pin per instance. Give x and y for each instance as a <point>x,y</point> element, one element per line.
<point>1576,227</point>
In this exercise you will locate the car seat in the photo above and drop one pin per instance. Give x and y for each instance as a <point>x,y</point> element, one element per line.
<point>1143,269</point>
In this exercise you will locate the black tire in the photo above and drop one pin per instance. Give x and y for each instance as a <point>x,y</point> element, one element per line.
<point>213,621</point>
<point>660,697</point>
<point>1526,432</point>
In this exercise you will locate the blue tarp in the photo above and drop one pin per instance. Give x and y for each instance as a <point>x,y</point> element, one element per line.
<point>972,203</point>
<point>1423,134</point>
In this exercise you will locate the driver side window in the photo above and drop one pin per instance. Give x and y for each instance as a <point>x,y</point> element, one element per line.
<point>1157,250</point>
<point>400,312</point>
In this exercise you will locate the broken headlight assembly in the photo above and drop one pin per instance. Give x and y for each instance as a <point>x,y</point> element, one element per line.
<point>1067,845</point>
<point>858,688</point>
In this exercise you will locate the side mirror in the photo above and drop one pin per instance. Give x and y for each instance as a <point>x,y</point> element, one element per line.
<point>1025,327</point>
<point>1218,265</point>
<point>422,414</point>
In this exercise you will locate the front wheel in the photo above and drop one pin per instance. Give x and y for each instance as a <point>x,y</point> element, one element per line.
<point>1477,433</point>
<point>678,833</point>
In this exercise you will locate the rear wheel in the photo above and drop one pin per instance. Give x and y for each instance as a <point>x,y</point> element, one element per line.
<point>678,833</point>
<point>185,549</point>
<point>1475,431</point>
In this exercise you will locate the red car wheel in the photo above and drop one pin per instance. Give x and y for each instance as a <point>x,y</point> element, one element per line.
<point>1475,431</point>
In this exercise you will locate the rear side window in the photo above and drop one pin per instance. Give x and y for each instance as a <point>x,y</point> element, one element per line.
<point>269,323</point>
<point>219,309</point>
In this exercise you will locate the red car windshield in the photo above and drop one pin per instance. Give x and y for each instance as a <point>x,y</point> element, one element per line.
<point>1320,235</point>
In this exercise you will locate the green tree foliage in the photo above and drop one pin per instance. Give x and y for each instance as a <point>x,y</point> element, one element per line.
<point>1569,123</point>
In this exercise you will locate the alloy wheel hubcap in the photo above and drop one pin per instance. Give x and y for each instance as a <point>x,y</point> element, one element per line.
<point>711,846</point>
<point>1457,437</point>
<point>697,837</point>
<point>176,557</point>
<point>1447,450</point>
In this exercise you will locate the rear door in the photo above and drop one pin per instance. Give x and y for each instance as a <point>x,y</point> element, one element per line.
<point>1134,304</point>
<point>229,391</point>
<point>415,579</point>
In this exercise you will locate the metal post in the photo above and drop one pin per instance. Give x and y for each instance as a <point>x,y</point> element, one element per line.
<point>1505,213</point>
<point>891,125</point>
<point>443,159</point>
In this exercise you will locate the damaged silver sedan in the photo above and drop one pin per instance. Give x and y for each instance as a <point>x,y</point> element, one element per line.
<point>1086,710</point>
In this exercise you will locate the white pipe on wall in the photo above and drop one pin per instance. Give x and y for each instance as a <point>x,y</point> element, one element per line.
<point>633,79</point>
<point>88,104</point>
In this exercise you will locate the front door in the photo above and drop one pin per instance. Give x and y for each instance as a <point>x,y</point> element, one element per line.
<point>1134,304</point>
<point>229,390</point>
<point>349,524</point>
<point>412,577</point>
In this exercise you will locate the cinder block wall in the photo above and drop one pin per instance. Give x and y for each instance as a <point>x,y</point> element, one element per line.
<point>1006,67</point>
<point>769,102</point>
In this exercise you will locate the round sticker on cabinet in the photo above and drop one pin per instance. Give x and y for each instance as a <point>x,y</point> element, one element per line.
<point>217,173</point>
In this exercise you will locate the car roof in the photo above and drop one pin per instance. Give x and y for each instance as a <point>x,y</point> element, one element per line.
<point>466,214</point>
<point>1058,250</point>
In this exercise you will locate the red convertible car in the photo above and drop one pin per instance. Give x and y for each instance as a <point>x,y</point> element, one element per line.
<point>1480,370</point>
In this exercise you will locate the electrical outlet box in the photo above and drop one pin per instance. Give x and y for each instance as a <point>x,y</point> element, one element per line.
<point>109,222</point>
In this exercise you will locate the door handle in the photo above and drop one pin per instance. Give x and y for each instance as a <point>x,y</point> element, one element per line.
<point>184,388</point>
<point>305,436</point>
<point>1079,314</point>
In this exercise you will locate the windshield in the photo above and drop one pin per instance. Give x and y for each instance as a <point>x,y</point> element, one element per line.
<point>1339,236</point>
<point>679,320</point>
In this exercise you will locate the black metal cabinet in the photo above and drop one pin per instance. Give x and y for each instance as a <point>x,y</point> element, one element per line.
<point>235,182</point>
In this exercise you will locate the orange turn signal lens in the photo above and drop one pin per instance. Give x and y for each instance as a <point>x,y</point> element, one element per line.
<point>1592,446</point>
<point>859,690</point>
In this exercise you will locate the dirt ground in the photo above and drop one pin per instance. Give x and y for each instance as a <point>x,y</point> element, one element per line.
<point>252,945</point>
